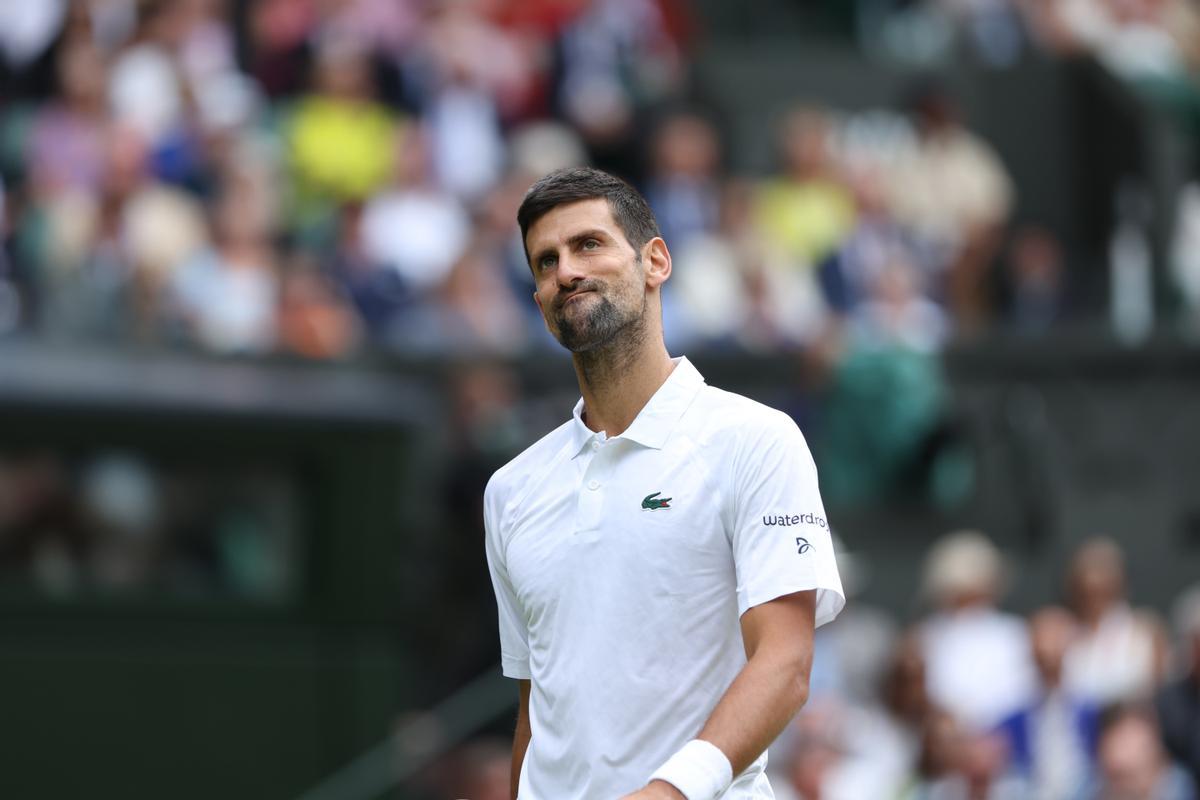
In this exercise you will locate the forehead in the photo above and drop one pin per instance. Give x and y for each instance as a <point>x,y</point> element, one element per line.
<point>561,222</point>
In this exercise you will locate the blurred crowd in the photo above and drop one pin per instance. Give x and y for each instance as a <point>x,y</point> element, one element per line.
<point>1084,700</point>
<point>1094,699</point>
<point>101,522</point>
<point>1135,38</point>
<point>322,177</point>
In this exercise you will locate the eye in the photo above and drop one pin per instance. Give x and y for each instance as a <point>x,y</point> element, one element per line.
<point>547,262</point>
<point>590,244</point>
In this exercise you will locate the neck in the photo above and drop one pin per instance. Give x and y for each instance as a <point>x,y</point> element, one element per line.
<point>617,380</point>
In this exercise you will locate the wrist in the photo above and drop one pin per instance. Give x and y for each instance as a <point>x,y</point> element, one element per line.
<point>666,790</point>
<point>697,771</point>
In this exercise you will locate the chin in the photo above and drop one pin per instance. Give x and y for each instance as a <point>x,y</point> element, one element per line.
<point>577,344</point>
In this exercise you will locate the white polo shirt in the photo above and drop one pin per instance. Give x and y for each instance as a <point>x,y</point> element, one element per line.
<point>622,566</point>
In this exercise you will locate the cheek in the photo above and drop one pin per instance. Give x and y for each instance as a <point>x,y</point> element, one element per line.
<point>545,304</point>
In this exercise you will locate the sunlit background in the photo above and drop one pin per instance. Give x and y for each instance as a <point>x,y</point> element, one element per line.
<point>266,330</point>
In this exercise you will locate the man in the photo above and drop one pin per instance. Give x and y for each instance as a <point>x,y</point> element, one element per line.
<point>1052,739</point>
<point>661,559</point>
<point>1132,762</point>
<point>1178,703</point>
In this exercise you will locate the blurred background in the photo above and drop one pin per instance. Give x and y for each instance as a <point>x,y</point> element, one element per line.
<point>266,330</point>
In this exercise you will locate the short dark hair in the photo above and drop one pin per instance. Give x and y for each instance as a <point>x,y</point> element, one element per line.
<point>629,209</point>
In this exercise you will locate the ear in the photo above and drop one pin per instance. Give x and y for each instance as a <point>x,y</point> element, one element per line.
<point>657,259</point>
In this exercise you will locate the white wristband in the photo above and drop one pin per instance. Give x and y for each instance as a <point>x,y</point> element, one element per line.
<point>699,769</point>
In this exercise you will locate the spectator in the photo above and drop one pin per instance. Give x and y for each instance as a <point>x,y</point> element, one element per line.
<point>844,744</point>
<point>473,75</point>
<point>713,274</point>
<point>1035,281</point>
<point>1120,654</point>
<point>884,428</point>
<point>839,750</point>
<point>120,504</point>
<point>420,232</point>
<point>37,519</point>
<point>958,763</point>
<point>1137,38</point>
<point>992,27</point>
<point>1133,765</point>
<point>487,293</point>
<point>279,43</point>
<point>342,140</point>
<point>685,192</point>
<point>851,273</point>
<point>807,210</point>
<point>147,90</point>
<point>225,296</point>
<point>895,314</point>
<point>225,99</point>
<point>616,57</point>
<point>1052,741</point>
<point>463,46</point>
<point>378,293</point>
<point>977,656</point>
<point>27,32</point>
<point>1185,255</point>
<point>850,657</point>
<point>817,752</point>
<point>683,187</point>
<point>539,148</point>
<point>1178,704</point>
<point>101,258</point>
<point>65,150</point>
<point>950,161</point>
<point>480,313</point>
<point>315,321</point>
<point>905,693</point>
<point>385,26</point>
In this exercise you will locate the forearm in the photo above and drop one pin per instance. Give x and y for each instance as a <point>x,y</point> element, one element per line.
<point>758,705</point>
<point>521,737</point>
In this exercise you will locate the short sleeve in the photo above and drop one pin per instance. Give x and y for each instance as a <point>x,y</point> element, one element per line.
<point>514,634</point>
<point>780,538</point>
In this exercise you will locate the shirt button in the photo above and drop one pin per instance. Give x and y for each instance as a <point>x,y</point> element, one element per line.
<point>594,485</point>
<point>595,445</point>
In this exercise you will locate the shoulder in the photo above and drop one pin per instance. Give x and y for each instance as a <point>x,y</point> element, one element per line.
<point>522,473</point>
<point>752,442</point>
<point>732,419</point>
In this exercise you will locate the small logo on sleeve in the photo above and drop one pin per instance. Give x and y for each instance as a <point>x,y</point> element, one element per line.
<point>652,502</point>
<point>802,545</point>
<point>787,520</point>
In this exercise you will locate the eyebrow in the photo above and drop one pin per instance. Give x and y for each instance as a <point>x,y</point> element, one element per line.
<point>590,233</point>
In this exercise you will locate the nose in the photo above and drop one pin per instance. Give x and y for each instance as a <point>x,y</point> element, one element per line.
<point>570,270</point>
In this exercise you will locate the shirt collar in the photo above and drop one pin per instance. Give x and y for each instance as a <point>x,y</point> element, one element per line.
<point>654,423</point>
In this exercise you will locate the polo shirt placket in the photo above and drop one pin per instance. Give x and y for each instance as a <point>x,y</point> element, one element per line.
<point>598,462</point>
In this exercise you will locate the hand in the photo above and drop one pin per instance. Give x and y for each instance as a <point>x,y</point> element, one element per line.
<point>656,790</point>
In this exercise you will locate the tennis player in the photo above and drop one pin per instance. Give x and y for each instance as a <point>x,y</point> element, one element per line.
<point>661,559</point>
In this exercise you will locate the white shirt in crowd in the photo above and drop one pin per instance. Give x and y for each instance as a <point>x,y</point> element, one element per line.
<point>977,664</point>
<point>1113,662</point>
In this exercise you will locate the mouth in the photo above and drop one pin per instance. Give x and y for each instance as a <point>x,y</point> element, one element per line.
<point>574,295</point>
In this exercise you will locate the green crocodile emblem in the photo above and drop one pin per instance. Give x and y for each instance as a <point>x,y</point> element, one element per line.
<point>653,502</point>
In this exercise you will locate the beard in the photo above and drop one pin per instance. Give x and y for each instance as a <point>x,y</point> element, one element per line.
<point>599,325</point>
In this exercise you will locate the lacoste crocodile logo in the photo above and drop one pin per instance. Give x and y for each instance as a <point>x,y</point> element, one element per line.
<point>652,502</point>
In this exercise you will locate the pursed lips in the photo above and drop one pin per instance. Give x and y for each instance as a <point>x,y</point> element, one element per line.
<point>573,295</point>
